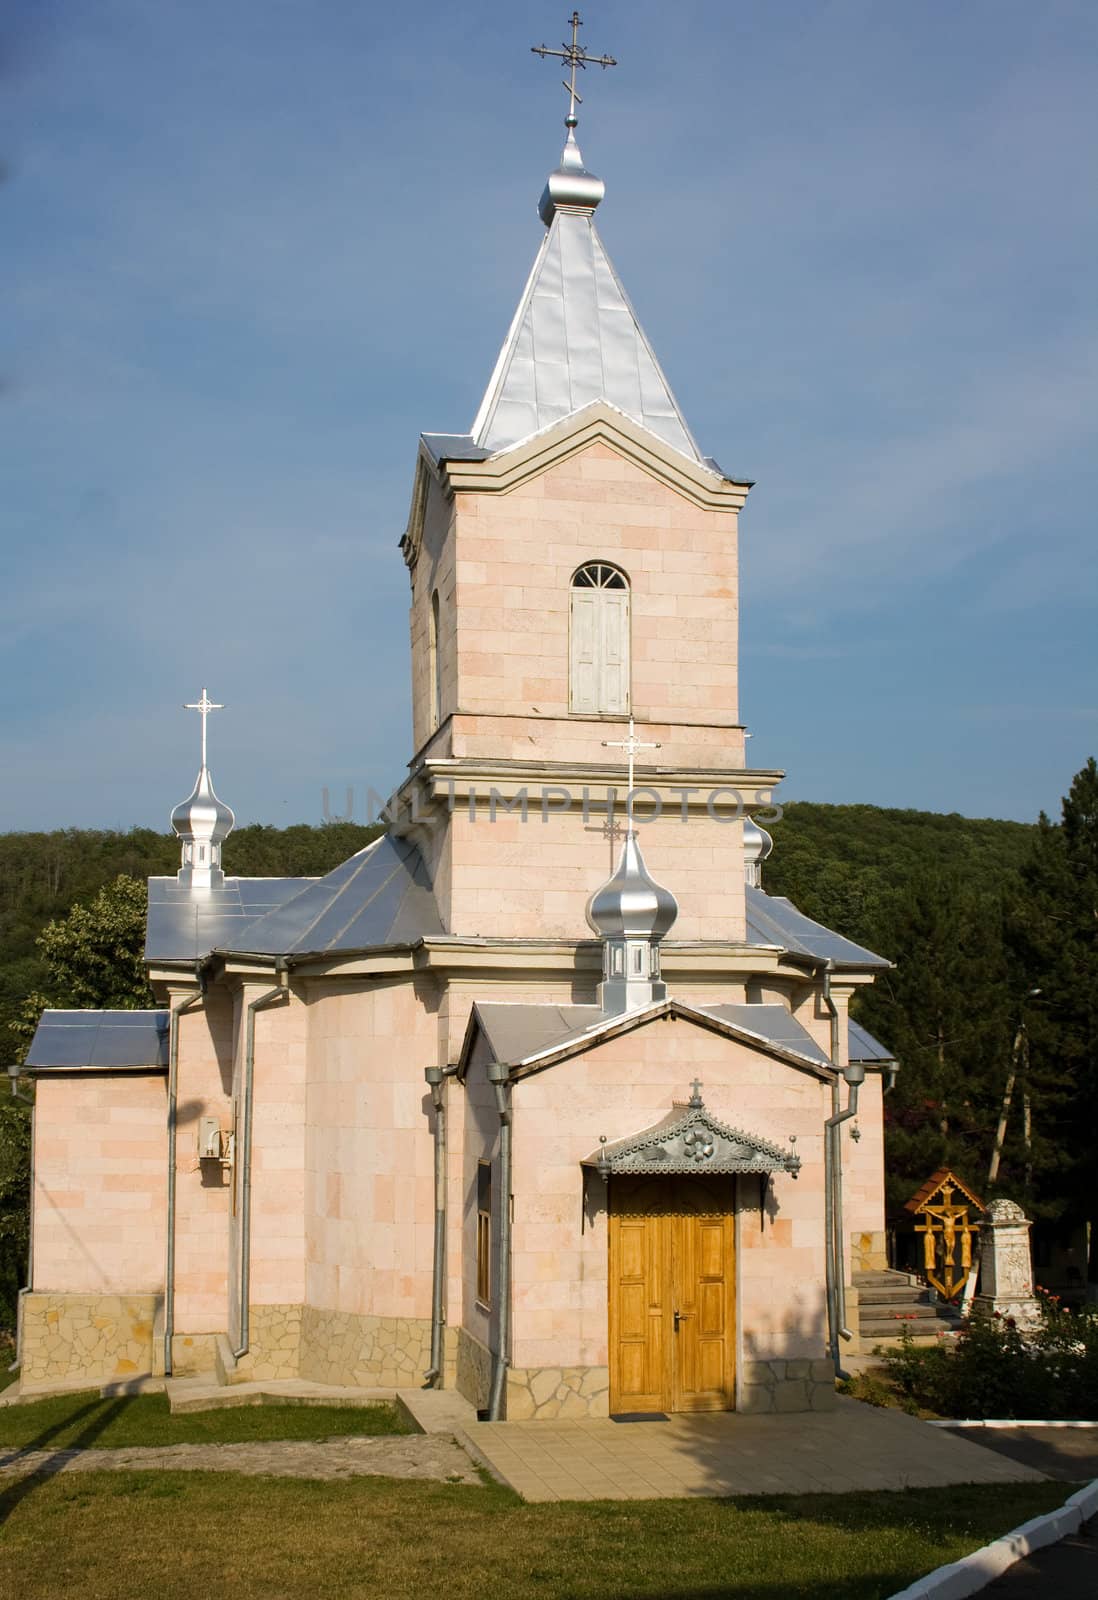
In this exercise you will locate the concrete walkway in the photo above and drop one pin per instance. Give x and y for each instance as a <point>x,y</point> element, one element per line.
<point>855,1447</point>
<point>410,1456</point>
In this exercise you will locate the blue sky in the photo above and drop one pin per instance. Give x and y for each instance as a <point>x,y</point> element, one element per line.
<point>251,250</point>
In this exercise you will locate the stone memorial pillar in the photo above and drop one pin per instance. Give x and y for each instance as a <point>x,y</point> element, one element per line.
<point>1006,1269</point>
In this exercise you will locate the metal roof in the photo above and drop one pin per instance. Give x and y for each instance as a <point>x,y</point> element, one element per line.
<point>381,896</point>
<point>689,1139</point>
<point>454,447</point>
<point>521,1031</point>
<point>185,925</point>
<point>772,920</point>
<point>774,1024</point>
<point>863,1046</point>
<point>71,1041</point>
<point>576,339</point>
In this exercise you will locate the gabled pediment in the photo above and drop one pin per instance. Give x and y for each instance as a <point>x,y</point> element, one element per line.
<point>597,422</point>
<point>691,1140</point>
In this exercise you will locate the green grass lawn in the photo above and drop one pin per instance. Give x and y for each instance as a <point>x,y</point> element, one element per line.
<point>84,1421</point>
<point>128,1536</point>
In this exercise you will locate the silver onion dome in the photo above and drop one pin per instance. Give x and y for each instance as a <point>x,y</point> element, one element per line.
<point>202,815</point>
<point>571,187</point>
<point>757,846</point>
<point>632,905</point>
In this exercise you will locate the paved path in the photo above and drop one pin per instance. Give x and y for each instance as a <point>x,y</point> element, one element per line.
<point>1070,1454</point>
<point>413,1456</point>
<point>1068,1570</point>
<point>854,1447</point>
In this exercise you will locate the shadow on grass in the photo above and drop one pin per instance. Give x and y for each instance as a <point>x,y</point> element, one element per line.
<point>99,1415</point>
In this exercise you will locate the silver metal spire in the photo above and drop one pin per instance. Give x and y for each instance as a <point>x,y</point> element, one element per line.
<point>202,821</point>
<point>575,338</point>
<point>631,914</point>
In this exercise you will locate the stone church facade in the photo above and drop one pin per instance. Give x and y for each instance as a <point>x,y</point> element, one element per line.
<point>541,1095</point>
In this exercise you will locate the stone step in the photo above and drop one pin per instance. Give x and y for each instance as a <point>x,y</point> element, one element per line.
<point>892,1294</point>
<point>882,1276</point>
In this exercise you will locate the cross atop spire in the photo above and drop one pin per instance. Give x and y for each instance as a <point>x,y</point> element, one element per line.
<point>203,706</point>
<point>575,56</point>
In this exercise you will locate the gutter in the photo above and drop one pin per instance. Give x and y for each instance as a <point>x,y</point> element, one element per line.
<point>280,991</point>
<point>499,1076</point>
<point>436,1077</point>
<point>174,1015</point>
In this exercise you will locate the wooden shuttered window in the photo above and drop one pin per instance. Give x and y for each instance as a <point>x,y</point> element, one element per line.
<point>599,665</point>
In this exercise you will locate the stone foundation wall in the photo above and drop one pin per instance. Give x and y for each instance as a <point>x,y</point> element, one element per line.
<point>274,1345</point>
<point>787,1386</point>
<point>544,1393</point>
<point>474,1369</point>
<point>868,1252</point>
<point>370,1352</point>
<point>193,1354</point>
<point>92,1336</point>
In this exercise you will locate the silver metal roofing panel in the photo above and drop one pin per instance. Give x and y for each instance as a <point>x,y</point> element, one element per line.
<point>71,1041</point>
<point>185,926</point>
<point>517,1031</point>
<point>773,1023</point>
<point>380,896</point>
<point>772,920</point>
<point>576,339</point>
<point>454,447</point>
<point>864,1047</point>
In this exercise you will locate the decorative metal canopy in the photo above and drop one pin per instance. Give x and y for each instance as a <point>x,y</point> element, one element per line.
<point>690,1140</point>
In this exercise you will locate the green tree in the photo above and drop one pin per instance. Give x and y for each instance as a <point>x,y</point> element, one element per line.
<point>943,1010</point>
<point>95,957</point>
<point>1054,939</point>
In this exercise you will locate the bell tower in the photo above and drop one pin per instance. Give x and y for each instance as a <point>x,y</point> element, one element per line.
<point>573,564</point>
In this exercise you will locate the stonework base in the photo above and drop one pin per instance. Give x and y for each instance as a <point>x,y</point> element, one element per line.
<point>868,1252</point>
<point>193,1354</point>
<point>102,1338</point>
<point>474,1370</point>
<point>366,1352</point>
<point>545,1393</point>
<point>787,1386</point>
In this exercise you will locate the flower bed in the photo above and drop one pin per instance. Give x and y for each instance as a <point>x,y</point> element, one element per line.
<point>993,1368</point>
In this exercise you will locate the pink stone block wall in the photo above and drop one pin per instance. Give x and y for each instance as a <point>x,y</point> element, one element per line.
<point>100,1181</point>
<point>369,1173</point>
<point>508,877</point>
<point>203,1192</point>
<point>516,553</point>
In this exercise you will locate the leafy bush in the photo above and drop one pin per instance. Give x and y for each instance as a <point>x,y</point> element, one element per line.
<point>994,1368</point>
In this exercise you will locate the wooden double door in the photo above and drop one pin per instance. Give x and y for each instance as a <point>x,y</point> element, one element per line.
<point>672,1294</point>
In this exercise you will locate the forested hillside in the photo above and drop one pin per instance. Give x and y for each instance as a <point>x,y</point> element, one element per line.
<point>993,927</point>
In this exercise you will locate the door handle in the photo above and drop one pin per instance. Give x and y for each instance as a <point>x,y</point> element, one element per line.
<point>681,1316</point>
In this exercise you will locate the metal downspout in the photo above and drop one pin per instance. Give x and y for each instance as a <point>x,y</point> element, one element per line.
<point>279,992</point>
<point>499,1078</point>
<point>173,1100</point>
<point>833,1184</point>
<point>436,1081</point>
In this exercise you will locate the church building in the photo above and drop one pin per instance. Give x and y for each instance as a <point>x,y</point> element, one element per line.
<point>541,1096</point>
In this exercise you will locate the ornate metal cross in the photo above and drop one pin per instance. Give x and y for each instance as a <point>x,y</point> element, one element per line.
<point>696,1094</point>
<point>576,56</point>
<point>630,746</point>
<point>203,706</point>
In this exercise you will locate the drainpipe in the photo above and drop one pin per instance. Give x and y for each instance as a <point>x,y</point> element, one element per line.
<point>435,1079</point>
<point>280,991</point>
<point>174,1015</point>
<point>500,1079</point>
<point>854,1074</point>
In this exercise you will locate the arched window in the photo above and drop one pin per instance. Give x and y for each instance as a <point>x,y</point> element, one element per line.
<point>598,679</point>
<point>435,665</point>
